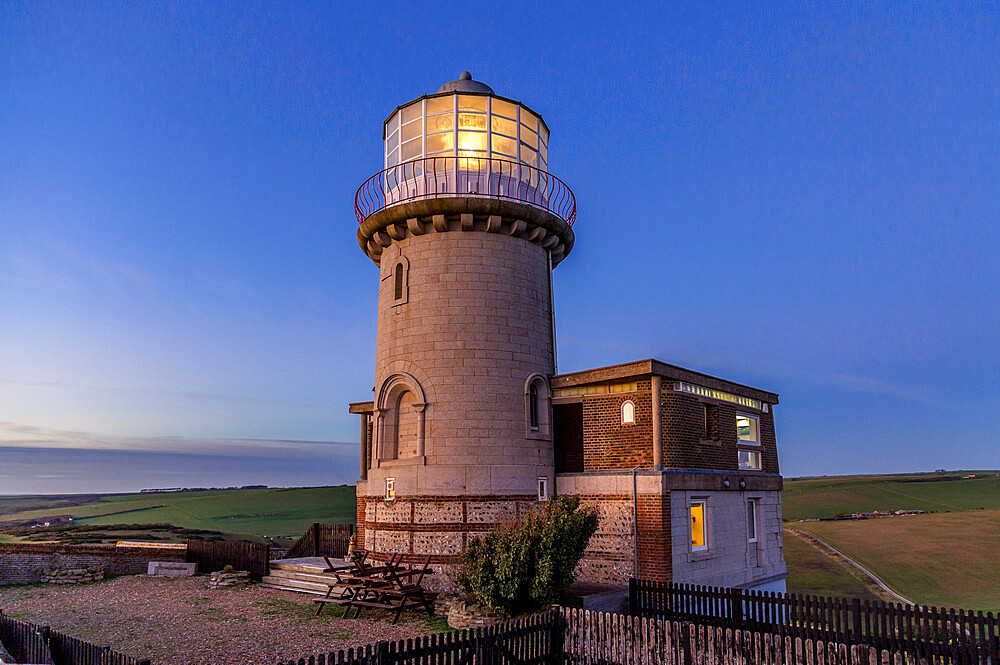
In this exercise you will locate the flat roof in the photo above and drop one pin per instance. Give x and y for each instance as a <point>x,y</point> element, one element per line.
<point>651,366</point>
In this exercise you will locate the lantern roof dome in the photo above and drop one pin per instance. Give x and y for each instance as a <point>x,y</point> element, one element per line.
<point>464,83</point>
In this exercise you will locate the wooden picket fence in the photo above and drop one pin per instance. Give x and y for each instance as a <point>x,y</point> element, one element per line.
<point>532,640</point>
<point>30,643</point>
<point>940,634</point>
<point>212,556</point>
<point>322,540</point>
<point>569,636</point>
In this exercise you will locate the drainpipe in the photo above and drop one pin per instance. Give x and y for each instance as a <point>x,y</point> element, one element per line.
<point>635,525</point>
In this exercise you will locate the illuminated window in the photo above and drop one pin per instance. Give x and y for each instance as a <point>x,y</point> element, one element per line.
<point>543,488</point>
<point>747,428</point>
<point>390,489</point>
<point>749,460</point>
<point>699,536</point>
<point>628,412</point>
<point>751,520</point>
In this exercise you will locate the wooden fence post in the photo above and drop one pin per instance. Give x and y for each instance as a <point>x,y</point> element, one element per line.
<point>315,538</point>
<point>557,636</point>
<point>856,621</point>
<point>736,611</point>
<point>382,653</point>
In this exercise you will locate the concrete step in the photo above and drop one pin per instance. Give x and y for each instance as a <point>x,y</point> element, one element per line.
<point>305,577</point>
<point>269,585</point>
<point>292,583</point>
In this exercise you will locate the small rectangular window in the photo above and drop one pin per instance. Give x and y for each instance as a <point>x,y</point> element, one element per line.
<point>543,488</point>
<point>747,428</point>
<point>699,539</point>
<point>390,489</point>
<point>749,460</point>
<point>707,414</point>
<point>751,520</point>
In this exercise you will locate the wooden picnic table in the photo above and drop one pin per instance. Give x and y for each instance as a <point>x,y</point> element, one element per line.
<point>389,587</point>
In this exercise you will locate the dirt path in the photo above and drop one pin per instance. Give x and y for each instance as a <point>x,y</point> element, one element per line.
<point>828,549</point>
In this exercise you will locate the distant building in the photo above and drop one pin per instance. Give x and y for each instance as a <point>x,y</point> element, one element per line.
<point>471,425</point>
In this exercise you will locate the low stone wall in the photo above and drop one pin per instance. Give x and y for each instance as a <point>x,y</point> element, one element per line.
<point>23,563</point>
<point>228,578</point>
<point>463,615</point>
<point>73,575</point>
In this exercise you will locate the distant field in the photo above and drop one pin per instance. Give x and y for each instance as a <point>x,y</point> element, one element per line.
<point>938,559</point>
<point>830,496</point>
<point>252,514</point>
<point>812,572</point>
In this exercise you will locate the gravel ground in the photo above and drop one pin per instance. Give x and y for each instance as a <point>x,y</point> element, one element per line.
<point>175,621</point>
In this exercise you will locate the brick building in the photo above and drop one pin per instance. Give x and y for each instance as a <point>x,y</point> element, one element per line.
<point>470,425</point>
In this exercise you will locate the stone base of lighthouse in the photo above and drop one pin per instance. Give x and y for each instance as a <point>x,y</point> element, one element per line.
<point>435,526</point>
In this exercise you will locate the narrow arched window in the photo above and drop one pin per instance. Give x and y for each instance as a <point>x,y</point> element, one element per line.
<point>628,413</point>
<point>399,277</point>
<point>533,405</point>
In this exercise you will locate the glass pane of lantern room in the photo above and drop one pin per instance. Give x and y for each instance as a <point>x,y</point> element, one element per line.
<point>438,142</point>
<point>503,126</point>
<point>440,123</point>
<point>393,124</point>
<point>411,150</point>
<point>411,112</point>
<point>472,140</point>
<point>472,121</point>
<point>505,146</point>
<point>411,130</point>
<point>440,105</point>
<point>529,119</point>
<point>506,109</point>
<point>529,137</point>
<point>472,103</point>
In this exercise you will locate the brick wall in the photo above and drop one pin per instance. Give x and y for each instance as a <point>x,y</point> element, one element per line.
<point>654,537</point>
<point>22,563</point>
<point>607,443</point>
<point>685,445</point>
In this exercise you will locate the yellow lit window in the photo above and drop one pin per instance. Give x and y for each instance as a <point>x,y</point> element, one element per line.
<point>747,428</point>
<point>699,541</point>
<point>390,489</point>
<point>500,107</point>
<point>440,123</point>
<point>503,126</point>
<point>439,142</point>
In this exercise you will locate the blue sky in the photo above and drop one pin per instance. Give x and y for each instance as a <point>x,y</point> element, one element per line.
<point>805,198</point>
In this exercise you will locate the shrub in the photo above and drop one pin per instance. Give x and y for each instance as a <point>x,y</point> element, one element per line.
<point>525,567</point>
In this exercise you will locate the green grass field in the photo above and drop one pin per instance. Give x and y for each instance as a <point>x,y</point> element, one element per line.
<point>812,572</point>
<point>829,496</point>
<point>252,514</point>
<point>946,557</point>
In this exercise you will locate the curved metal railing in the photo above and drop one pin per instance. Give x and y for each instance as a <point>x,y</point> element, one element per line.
<point>449,177</point>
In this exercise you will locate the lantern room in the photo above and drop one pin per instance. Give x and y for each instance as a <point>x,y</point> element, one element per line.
<point>466,119</point>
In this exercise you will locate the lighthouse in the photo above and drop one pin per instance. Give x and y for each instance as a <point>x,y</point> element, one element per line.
<point>465,224</point>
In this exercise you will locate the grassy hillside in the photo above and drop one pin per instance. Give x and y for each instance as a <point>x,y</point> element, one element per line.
<point>252,514</point>
<point>829,496</point>
<point>936,559</point>
<point>812,572</point>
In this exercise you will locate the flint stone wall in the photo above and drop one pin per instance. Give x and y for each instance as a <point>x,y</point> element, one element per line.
<point>23,563</point>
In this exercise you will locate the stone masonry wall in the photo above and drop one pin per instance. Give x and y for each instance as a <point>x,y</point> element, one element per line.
<point>23,563</point>
<point>730,559</point>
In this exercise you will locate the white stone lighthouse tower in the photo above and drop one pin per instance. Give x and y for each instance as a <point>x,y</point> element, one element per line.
<point>465,224</point>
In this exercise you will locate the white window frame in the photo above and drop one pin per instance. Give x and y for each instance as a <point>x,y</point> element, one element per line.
<point>543,488</point>
<point>390,489</point>
<point>752,520</point>
<point>629,403</point>
<point>751,452</point>
<point>748,442</point>
<point>704,524</point>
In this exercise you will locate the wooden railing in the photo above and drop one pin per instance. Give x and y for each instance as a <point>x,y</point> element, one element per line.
<point>212,556</point>
<point>922,632</point>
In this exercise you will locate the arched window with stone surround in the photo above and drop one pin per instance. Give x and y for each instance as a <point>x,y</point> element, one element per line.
<point>400,281</point>
<point>537,407</point>
<point>628,412</point>
<point>400,419</point>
